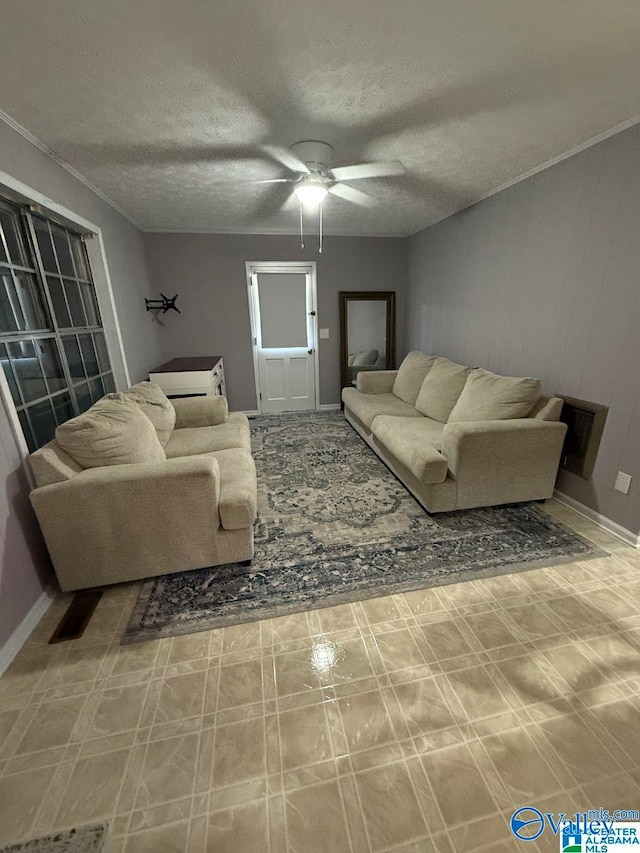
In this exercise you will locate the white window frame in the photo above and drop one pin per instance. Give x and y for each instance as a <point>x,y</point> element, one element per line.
<point>20,193</point>
<point>309,268</point>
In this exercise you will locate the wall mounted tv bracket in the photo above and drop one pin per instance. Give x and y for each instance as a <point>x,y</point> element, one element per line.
<point>163,304</point>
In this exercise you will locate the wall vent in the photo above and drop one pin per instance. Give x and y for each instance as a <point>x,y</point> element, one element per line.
<point>585,422</point>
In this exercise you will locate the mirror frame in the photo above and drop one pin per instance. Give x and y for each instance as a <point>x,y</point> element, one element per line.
<point>346,296</point>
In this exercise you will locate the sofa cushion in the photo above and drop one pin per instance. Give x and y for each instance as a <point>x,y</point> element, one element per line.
<point>156,406</point>
<point>366,406</point>
<point>441,388</point>
<point>115,431</point>
<point>413,443</point>
<point>237,504</point>
<point>411,375</point>
<point>427,429</point>
<point>365,357</point>
<point>192,441</point>
<point>489,397</point>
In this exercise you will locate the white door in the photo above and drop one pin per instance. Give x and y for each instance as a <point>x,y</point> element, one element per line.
<point>284,336</point>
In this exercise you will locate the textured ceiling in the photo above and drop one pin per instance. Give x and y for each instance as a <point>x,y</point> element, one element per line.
<point>163,104</point>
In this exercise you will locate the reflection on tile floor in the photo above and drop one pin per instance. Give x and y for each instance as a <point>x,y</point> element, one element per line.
<point>416,722</point>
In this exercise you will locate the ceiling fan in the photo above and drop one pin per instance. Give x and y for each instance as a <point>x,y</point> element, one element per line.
<point>314,176</point>
<point>311,159</point>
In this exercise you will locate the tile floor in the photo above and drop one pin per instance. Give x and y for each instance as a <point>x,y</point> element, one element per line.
<point>415,722</point>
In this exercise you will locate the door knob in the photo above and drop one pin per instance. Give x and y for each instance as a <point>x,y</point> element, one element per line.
<point>310,351</point>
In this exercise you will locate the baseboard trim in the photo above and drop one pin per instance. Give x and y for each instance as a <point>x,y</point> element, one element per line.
<point>602,521</point>
<point>21,634</point>
<point>251,413</point>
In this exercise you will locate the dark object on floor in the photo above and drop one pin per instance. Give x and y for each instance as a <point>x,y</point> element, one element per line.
<point>75,620</point>
<point>85,839</point>
<point>336,526</point>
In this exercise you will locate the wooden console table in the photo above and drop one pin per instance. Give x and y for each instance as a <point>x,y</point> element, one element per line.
<point>191,377</point>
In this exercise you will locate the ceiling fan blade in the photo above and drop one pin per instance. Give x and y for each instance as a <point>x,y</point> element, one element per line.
<point>285,158</point>
<point>352,194</point>
<point>368,170</point>
<point>269,181</point>
<point>239,182</point>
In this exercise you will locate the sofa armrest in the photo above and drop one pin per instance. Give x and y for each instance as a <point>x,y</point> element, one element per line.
<point>144,515</point>
<point>376,381</point>
<point>503,461</point>
<point>200,411</point>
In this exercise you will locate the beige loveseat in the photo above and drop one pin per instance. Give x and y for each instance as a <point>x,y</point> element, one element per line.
<point>140,486</point>
<point>459,437</point>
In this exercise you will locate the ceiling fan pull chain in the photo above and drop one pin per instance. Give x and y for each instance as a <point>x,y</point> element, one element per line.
<point>301,232</point>
<point>320,246</point>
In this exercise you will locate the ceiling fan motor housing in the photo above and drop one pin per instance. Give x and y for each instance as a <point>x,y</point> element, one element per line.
<point>315,155</point>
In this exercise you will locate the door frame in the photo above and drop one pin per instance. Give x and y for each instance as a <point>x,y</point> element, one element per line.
<point>308,268</point>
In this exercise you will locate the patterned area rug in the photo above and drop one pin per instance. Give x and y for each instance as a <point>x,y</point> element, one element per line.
<point>334,526</point>
<point>86,839</point>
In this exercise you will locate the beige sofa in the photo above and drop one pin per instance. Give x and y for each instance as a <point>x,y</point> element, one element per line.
<point>459,437</point>
<point>140,486</point>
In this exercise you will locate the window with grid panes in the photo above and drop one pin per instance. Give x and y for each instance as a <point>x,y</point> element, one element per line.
<point>52,344</point>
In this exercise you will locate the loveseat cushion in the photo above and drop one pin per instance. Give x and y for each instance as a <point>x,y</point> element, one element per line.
<point>50,464</point>
<point>415,443</point>
<point>115,431</point>
<point>191,441</point>
<point>489,397</point>
<point>411,374</point>
<point>366,406</point>
<point>441,388</point>
<point>237,504</point>
<point>205,410</point>
<point>156,406</point>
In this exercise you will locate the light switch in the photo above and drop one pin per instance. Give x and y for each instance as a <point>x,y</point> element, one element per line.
<point>623,481</point>
<point>324,333</point>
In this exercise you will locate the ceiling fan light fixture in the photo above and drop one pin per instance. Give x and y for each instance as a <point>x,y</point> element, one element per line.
<point>311,192</point>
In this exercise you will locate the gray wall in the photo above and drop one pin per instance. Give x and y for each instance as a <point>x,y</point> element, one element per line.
<point>543,280</point>
<point>24,568</point>
<point>208,271</point>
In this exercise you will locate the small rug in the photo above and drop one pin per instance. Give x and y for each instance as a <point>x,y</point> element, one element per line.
<point>335,525</point>
<point>85,839</point>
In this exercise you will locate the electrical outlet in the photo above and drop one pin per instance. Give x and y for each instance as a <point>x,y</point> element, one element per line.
<point>324,333</point>
<point>623,481</point>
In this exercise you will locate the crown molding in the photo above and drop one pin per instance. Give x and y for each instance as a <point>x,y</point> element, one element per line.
<point>26,134</point>
<point>234,232</point>
<point>589,143</point>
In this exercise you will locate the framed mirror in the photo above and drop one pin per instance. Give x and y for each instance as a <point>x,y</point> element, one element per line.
<point>367,332</point>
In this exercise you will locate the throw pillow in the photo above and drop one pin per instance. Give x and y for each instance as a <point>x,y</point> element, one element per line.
<point>441,388</point>
<point>115,431</point>
<point>489,397</point>
<point>156,406</point>
<point>411,375</point>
